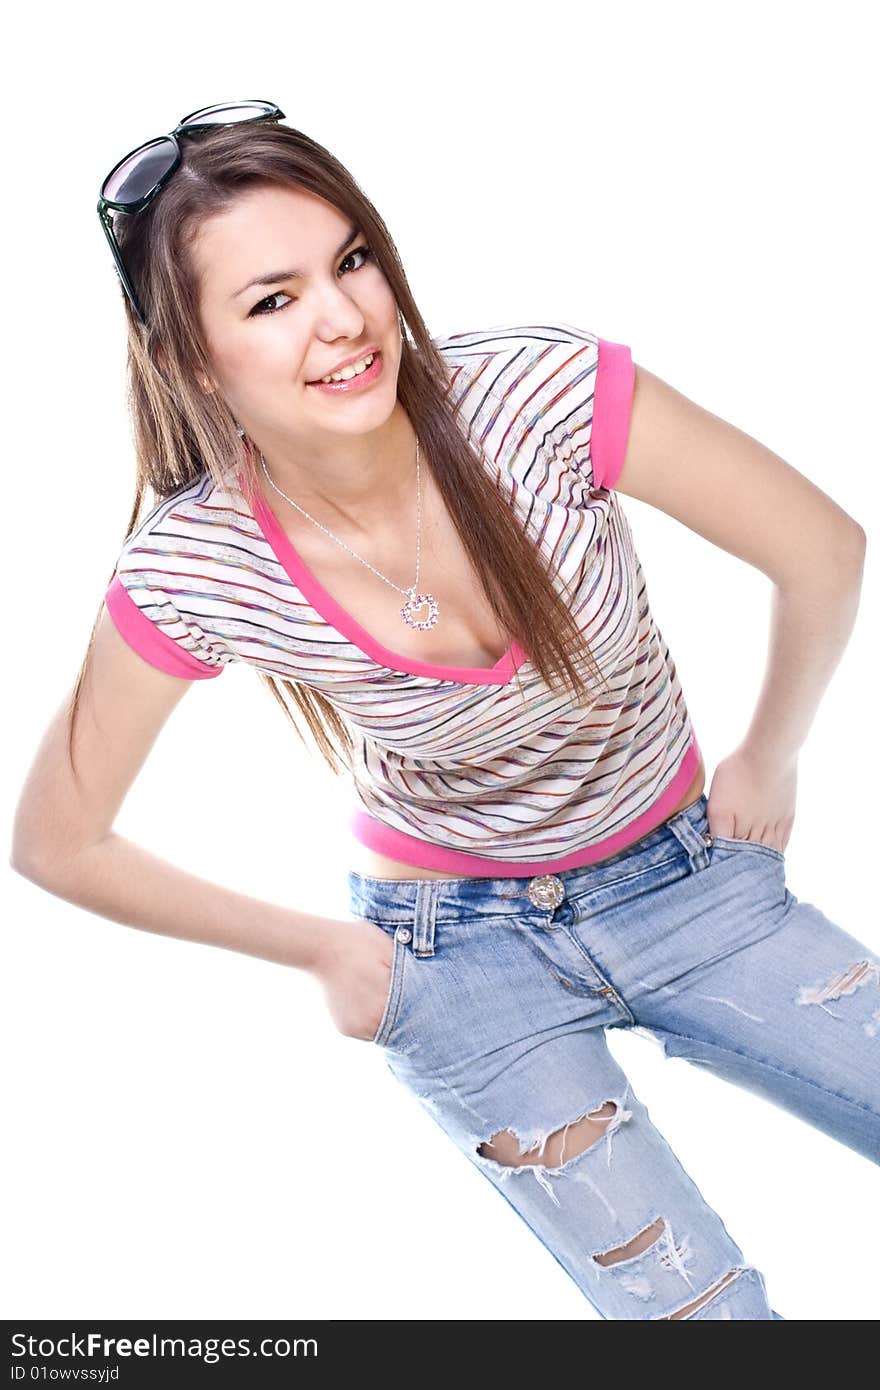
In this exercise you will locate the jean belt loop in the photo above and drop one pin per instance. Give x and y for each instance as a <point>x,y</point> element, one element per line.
<point>695,841</point>
<point>427,894</point>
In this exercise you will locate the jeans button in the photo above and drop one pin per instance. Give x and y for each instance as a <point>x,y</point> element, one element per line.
<point>546,890</point>
<point>403,934</point>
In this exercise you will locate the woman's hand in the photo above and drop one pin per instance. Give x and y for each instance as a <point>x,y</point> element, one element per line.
<point>752,797</point>
<point>353,965</point>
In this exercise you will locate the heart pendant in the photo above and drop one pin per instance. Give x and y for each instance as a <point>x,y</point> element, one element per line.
<point>414,604</point>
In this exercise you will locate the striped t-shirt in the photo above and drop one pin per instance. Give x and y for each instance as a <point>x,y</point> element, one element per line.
<point>458,769</point>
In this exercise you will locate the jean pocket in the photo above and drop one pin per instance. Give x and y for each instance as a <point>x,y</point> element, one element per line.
<point>394,996</point>
<point>757,845</point>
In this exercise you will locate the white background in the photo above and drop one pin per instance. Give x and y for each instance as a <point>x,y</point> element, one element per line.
<point>189,1134</point>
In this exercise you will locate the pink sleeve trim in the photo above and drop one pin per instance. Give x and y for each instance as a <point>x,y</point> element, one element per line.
<point>149,641</point>
<point>612,405</point>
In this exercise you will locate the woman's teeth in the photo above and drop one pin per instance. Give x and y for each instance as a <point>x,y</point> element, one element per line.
<point>354,369</point>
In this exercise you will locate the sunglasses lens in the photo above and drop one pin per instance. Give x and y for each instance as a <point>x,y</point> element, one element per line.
<point>138,174</point>
<point>227,115</point>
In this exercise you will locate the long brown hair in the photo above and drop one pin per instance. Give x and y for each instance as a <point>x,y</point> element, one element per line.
<point>181,431</point>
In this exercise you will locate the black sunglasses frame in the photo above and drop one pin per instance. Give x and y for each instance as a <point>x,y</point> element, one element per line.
<point>190,125</point>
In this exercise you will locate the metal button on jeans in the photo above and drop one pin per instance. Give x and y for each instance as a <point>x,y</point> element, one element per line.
<point>403,934</point>
<point>546,890</point>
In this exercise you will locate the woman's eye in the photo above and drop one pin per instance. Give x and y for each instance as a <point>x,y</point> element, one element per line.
<point>359,251</point>
<point>258,308</point>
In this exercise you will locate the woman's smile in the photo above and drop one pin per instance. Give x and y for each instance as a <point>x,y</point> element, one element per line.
<point>358,382</point>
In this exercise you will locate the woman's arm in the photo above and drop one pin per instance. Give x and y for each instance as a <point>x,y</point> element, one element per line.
<point>737,493</point>
<point>63,836</point>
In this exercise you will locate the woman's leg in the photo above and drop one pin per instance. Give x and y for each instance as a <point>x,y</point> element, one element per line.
<point>767,992</point>
<point>487,1026</point>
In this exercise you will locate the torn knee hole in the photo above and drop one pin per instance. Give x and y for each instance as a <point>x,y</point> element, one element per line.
<point>705,1297</point>
<point>556,1148</point>
<point>635,1246</point>
<point>846,982</point>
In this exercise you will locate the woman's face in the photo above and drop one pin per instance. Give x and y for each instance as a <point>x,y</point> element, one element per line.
<point>323,300</point>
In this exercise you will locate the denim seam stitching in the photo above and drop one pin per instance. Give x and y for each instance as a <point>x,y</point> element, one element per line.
<point>587,989</point>
<point>602,973</point>
<point>395,992</point>
<point>752,844</point>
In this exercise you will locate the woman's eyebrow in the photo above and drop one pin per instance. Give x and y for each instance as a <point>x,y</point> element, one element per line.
<point>275,276</point>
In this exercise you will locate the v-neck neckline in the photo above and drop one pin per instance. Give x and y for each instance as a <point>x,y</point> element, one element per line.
<point>333,613</point>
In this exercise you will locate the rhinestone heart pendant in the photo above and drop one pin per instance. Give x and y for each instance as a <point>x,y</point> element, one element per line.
<point>414,604</point>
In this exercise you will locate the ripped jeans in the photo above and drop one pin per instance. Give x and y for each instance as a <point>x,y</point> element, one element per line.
<point>500,994</point>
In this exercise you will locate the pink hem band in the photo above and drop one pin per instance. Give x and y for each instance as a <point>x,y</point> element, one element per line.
<point>396,844</point>
<point>149,641</point>
<point>612,407</point>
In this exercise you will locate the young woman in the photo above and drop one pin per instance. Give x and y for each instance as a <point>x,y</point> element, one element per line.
<point>418,544</point>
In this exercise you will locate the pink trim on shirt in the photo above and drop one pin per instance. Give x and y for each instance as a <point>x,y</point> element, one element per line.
<point>149,641</point>
<point>410,850</point>
<point>612,406</point>
<point>343,622</point>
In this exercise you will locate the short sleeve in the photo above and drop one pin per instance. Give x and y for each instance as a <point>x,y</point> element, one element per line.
<point>588,398</point>
<point>612,409</point>
<point>551,402</point>
<point>158,616</point>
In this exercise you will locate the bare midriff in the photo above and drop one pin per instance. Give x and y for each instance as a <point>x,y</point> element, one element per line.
<point>368,861</point>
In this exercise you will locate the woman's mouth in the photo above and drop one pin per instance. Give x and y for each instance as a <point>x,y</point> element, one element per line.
<point>363,376</point>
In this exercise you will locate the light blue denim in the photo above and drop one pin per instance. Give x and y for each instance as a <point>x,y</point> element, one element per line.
<point>495,1020</point>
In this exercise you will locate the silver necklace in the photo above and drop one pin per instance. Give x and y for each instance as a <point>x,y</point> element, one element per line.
<point>414,600</point>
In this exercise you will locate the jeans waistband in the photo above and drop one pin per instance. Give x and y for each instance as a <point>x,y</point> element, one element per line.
<point>398,898</point>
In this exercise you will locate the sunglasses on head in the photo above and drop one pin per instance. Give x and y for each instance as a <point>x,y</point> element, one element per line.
<point>134,182</point>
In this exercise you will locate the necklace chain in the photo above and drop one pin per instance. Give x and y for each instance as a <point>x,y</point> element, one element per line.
<point>415,600</point>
